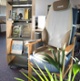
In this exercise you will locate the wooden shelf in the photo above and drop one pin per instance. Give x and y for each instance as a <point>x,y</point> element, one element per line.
<point>77,34</point>
<point>20,2</point>
<point>19,6</point>
<point>19,61</point>
<point>38,30</point>
<point>19,38</point>
<point>22,20</point>
<point>23,54</point>
<point>16,59</point>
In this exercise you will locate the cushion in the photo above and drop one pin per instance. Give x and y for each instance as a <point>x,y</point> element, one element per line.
<point>58,23</point>
<point>38,59</point>
<point>60,5</point>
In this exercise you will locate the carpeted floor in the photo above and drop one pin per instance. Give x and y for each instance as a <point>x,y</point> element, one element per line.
<point>6,74</point>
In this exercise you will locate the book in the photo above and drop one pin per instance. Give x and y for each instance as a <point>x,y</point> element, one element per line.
<point>26,14</point>
<point>25,48</point>
<point>17,47</point>
<point>16,32</point>
<point>26,31</point>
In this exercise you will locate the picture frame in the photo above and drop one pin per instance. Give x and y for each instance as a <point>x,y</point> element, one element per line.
<point>26,31</point>
<point>16,31</point>
<point>17,47</point>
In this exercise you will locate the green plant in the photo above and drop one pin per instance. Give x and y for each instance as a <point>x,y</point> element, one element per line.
<point>76,67</point>
<point>58,63</point>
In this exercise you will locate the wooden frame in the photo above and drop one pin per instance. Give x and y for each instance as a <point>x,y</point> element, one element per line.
<point>30,50</point>
<point>9,24</point>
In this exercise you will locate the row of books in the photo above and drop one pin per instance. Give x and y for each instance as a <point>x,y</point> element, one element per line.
<point>21,31</point>
<point>18,47</point>
<point>21,13</point>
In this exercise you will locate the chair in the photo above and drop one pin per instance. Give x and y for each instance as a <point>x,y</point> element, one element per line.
<point>56,33</point>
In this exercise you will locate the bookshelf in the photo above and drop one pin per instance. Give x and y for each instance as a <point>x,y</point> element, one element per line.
<point>16,19</point>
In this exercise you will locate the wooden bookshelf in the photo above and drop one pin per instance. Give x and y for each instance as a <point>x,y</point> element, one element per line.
<point>15,59</point>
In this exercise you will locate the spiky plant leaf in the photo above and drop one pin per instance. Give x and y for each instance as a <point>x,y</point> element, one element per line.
<point>63,57</point>
<point>55,77</point>
<point>37,73</point>
<point>26,75</point>
<point>51,61</point>
<point>34,79</point>
<point>49,74</point>
<point>54,54</point>
<point>59,56</point>
<point>61,75</point>
<point>18,79</point>
<point>46,79</point>
<point>69,75</point>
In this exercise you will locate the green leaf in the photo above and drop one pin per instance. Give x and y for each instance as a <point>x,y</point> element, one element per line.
<point>34,79</point>
<point>18,79</point>
<point>52,61</point>
<point>61,78</point>
<point>63,57</point>
<point>49,74</point>
<point>53,53</point>
<point>75,69</point>
<point>55,57</point>
<point>46,79</point>
<point>55,77</point>
<point>58,56</point>
<point>26,76</point>
<point>37,73</point>
<point>69,75</point>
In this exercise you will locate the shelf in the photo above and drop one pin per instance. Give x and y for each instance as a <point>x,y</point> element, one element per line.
<point>24,54</point>
<point>22,20</point>
<point>38,30</point>
<point>77,34</point>
<point>19,38</point>
<point>19,61</point>
<point>21,6</point>
<point>17,7</point>
<point>21,3</point>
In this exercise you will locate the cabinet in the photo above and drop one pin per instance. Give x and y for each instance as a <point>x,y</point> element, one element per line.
<point>18,30</point>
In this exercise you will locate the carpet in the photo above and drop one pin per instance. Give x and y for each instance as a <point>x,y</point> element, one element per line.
<point>7,74</point>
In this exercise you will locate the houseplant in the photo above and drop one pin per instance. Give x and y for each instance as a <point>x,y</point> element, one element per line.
<point>58,64</point>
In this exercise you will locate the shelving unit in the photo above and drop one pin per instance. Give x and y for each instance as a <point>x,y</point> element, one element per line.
<point>20,2</point>
<point>19,60</point>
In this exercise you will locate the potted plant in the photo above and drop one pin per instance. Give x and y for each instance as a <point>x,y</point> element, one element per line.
<point>58,64</point>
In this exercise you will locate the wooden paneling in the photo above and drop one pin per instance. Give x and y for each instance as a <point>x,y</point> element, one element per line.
<point>8,32</point>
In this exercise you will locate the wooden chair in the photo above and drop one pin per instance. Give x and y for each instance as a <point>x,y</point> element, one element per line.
<point>56,33</point>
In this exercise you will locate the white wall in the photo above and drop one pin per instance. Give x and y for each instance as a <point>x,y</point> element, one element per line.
<point>75,3</point>
<point>41,7</point>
